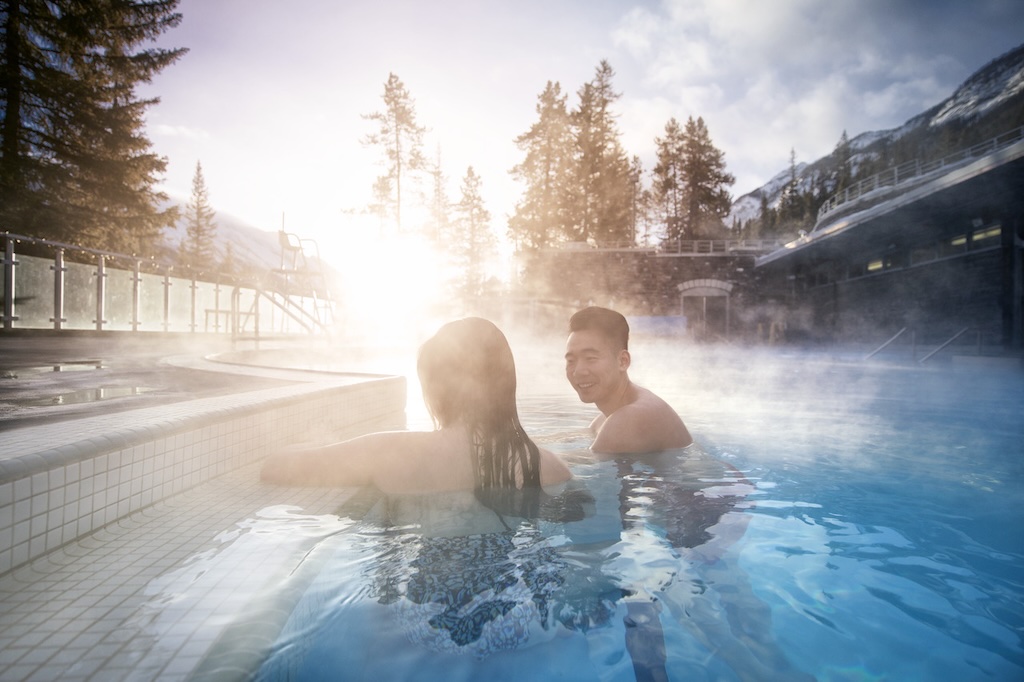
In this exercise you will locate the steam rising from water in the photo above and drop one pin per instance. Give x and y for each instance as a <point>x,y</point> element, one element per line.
<point>773,404</point>
<point>800,406</point>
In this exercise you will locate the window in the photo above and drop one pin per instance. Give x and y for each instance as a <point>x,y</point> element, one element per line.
<point>987,233</point>
<point>923,255</point>
<point>954,245</point>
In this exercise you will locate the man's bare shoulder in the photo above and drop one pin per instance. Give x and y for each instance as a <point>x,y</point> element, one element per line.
<point>648,424</point>
<point>650,402</point>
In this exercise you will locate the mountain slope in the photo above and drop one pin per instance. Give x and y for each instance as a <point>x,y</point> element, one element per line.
<point>988,103</point>
<point>254,247</point>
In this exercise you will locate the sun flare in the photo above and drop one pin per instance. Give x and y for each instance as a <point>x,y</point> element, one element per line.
<point>392,287</point>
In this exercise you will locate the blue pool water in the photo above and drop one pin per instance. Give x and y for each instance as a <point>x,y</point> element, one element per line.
<point>834,521</point>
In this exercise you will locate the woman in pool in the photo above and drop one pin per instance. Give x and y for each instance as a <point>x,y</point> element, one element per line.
<point>469,386</point>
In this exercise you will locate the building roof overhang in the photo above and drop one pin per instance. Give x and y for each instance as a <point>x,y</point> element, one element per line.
<point>991,183</point>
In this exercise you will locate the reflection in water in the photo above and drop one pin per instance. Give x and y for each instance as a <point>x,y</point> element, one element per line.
<point>618,562</point>
<point>684,510</point>
<point>88,395</point>
<point>213,585</point>
<point>870,535</point>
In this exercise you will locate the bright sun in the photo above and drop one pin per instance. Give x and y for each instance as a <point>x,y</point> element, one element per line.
<point>392,287</point>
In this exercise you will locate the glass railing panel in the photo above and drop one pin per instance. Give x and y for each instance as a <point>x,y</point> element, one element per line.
<point>145,302</point>
<point>211,314</point>
<point>246,311</point>
<point>33,291</point>
<point>271,317</point>
<point>118,299</point>
<point>151,302</point>
<point>180,305</point>
<point>79,296</point>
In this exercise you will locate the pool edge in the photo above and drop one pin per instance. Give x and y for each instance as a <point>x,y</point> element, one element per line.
<point>69,479</point>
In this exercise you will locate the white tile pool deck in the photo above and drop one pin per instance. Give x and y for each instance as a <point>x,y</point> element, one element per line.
<point>97,516</point>
<point>87,610</point>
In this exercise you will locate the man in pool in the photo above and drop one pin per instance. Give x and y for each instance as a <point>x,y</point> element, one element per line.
<point>632,419</point>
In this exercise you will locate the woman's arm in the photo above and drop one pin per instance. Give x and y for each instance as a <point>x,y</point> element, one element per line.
<point>353,462</point>
<point>552,469</point>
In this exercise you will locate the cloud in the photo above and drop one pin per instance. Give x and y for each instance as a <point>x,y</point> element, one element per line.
<point>770,77</point>
<point>635,32</point>
<point>271,101</point>
<point>178,131</point>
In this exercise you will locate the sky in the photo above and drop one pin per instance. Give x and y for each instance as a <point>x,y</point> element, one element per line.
<point>271,96</point>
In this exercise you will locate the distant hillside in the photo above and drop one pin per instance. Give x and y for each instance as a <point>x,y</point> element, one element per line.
<point>252,246</point>
<point>987,104</point>
<point>254,250</point>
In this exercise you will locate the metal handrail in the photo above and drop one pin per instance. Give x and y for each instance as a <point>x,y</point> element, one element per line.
<point>904,172</point>
<point>951,340</point>
<point>287,307</point>
<point>280,300</point>
<point>700,246</point>
<point>914,345</point>
<point>884,345</point>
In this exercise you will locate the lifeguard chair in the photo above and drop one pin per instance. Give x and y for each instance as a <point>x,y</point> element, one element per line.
<point>303,275</point>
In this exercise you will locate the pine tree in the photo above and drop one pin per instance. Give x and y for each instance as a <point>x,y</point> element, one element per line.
<point>790,204</point>
<point>439,203</point>
<point>474,243</point>
<point>540,216</point>
<point>668,186</point>
<point>706,180</point>
<point>841,159</point>
<point>639,199</point>
<point>601,210</point>
<point>767,219</point>
<point>198,248</point>
<point>400,138</point>
<point>381,205</point>
<point>75,164</point>
<point>229,263</point>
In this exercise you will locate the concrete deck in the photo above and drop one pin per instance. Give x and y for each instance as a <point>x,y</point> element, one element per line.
<point>49,378</point>
<point>108,503</point>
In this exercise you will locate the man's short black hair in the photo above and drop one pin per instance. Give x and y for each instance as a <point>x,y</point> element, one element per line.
<point>608,323</point>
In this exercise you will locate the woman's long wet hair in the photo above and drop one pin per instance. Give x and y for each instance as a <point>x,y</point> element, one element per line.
<point>468,376</point>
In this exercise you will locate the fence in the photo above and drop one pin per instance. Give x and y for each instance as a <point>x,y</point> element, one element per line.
<point>63,287</point>
<point>905,172</point>
<point>718,247</point>
<point>721,247</point>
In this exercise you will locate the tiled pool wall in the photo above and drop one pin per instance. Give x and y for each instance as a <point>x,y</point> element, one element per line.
<point>62,481</point>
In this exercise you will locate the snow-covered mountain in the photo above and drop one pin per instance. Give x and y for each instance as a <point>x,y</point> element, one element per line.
<point>254,247</point>
<point>988,103</point>
<point>256,252</point>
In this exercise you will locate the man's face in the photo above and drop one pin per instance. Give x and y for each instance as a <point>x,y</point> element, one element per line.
<point>593,366</point>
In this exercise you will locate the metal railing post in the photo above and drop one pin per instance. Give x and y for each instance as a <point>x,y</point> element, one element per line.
<point>256,321</point>
<point>167,299</point>
<point>101,291</point>
<point>136,294</point>
<point>236,296</point>
<point>192,304</point>
<point>9,263</point>
<point>58,289</point>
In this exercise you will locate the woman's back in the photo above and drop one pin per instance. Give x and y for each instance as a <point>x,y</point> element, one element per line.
<point>397,462</point>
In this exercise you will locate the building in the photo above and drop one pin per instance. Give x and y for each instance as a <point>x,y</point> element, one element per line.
<point>931,252</point>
